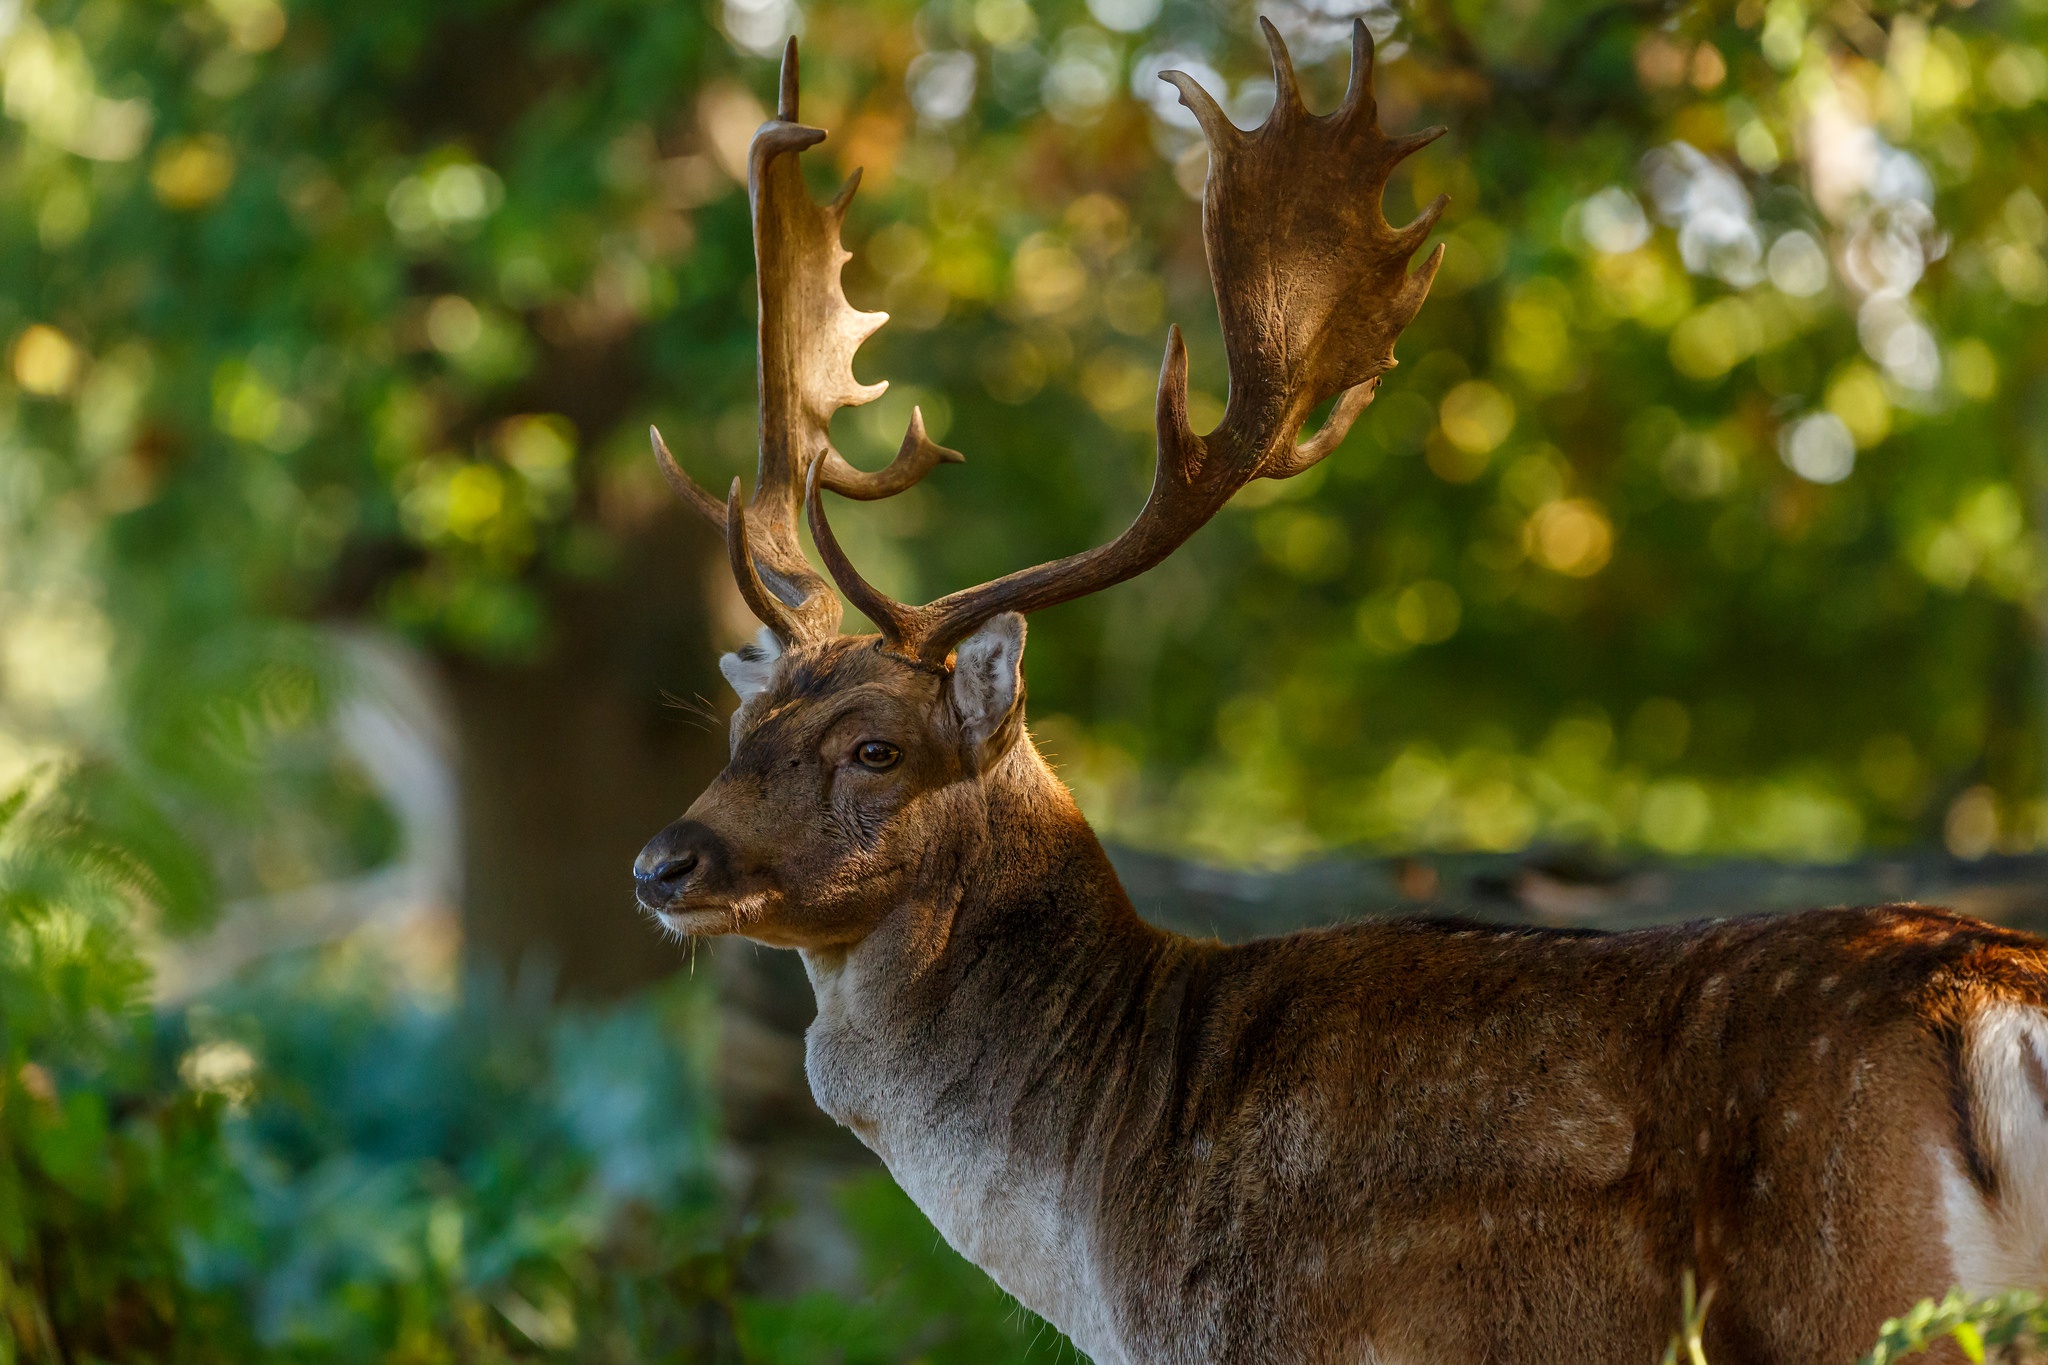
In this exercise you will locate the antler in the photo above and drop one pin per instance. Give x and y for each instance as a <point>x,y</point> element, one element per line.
<point>1313,287</point>
<point>808,334</point>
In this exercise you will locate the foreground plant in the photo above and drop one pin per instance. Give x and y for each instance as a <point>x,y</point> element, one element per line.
<point>103,1171</point>
<point>1975,1323</point>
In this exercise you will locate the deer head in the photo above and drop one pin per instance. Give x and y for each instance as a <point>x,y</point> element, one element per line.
<point>859,761</point>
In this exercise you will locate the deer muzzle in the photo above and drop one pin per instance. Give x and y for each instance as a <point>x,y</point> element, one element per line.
<point>685,858</point>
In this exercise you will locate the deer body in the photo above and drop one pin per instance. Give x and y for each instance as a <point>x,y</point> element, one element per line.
<point>1411,1142</point>
<point>1385,1143</point>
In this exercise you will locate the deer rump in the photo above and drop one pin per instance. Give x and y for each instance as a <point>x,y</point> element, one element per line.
<point>1433,1141</point>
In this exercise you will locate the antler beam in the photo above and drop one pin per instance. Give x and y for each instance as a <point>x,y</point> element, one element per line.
<point>1313,288</point>
<point>808,334</point>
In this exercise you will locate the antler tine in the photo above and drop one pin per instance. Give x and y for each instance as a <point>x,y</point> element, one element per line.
<point>836,211</point>
<point>1335,428</point>
<point>808,334</point>
<point>1425,275</point>
<point>685,487</point>
<point>891,618</point>
<point>1417,232</point>
<point>1314,288</point>
<point>786,83</point>
<point>1216,125</point>
<point>1287,103</point>
<point>918,456</point>
<point>1401,148</point>
<point>1358,92</point>
<point>1177,442</point>
<point>768,608</point>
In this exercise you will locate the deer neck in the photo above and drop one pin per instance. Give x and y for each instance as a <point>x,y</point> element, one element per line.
<point>976,1039</point>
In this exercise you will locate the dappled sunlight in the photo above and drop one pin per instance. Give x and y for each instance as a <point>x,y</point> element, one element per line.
<point>1688,395</point>
<point>1583,785</point>
<point>53,655</point>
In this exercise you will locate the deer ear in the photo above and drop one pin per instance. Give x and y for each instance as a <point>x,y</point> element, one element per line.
<point>750,667</point>
<point>988,677</point>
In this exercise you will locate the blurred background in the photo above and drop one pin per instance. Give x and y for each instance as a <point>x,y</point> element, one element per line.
<point>350,643</point>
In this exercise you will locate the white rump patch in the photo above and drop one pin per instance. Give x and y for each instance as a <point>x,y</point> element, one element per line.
<point>750,668</point>
<point>987,676</point>
<point>2002,1243</point>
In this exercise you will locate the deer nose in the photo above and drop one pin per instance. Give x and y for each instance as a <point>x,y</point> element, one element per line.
<point>673,872</point>
<point>684,852</point>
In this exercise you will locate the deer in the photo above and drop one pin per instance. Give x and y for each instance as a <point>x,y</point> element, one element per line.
<point>1390,1141</point>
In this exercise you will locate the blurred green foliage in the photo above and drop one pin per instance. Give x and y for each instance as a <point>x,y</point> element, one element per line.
<point>434,1181</point>
<point>925,1303</point>
<point>311,1165</point>
<point>1701,515</point>
<point>1973,1322</point>
<point>102,1172</point>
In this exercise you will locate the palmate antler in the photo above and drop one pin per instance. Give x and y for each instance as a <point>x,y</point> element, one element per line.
<point>1313,288</point>
<point>807,336</point>
<point>1312,285</point>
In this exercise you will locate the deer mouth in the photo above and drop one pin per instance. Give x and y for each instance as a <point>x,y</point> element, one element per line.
<point>706,916</point>
<point>698,921</point>
<point>694,921</point>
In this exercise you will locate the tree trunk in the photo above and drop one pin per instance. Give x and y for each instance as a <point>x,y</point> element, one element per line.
<point>571,762</point>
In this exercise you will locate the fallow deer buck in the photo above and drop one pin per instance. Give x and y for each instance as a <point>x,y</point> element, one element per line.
<point>1385,1142</point>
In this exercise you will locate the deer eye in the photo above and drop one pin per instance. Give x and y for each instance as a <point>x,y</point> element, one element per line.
<point>877,755</point>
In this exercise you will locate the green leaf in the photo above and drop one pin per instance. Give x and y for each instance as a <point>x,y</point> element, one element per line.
<point>12,804</point>
<point>102,824</point>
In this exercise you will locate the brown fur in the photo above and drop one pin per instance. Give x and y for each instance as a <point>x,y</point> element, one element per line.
<point>1405,1141</point>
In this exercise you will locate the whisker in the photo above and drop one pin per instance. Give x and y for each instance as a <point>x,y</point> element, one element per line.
<point>698,710</point>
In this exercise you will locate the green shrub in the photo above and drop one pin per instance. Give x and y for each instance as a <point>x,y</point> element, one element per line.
<point>482,1178</point>
<point>925,1303</point>
<point>495,1178</point>
<point>105,1173</point>
<point>1973,1323</point>
<point>314,1165</point>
